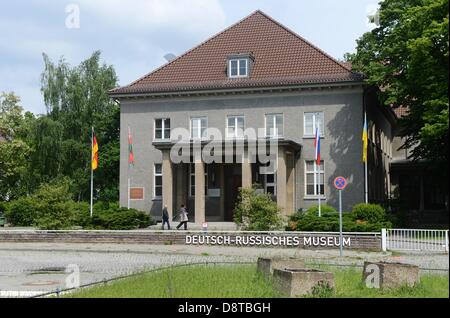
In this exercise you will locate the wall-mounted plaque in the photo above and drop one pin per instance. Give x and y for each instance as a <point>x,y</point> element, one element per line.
<point>137,193</point>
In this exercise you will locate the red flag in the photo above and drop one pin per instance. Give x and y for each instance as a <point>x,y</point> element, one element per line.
<point>130,148</point>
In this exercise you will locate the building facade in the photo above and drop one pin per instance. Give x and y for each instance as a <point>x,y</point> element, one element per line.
<point>254,88</point>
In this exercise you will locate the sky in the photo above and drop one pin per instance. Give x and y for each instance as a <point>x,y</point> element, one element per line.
<point>135,35</point>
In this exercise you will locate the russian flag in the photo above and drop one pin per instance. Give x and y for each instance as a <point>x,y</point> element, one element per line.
<point>317,147</point>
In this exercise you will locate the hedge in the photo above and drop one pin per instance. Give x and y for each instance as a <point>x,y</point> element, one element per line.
<point>51,208</point>
<point>363,218</point>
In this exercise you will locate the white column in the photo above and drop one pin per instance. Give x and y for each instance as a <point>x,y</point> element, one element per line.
<point>281,180</point>
<point>199,191</point>
<point>222,191</point>
<point>246,171</point>
<point>167,183</point>
<point>290,182</point>
<point>384,240</point>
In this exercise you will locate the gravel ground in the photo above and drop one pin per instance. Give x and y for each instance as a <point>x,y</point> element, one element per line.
<point>32,268</point>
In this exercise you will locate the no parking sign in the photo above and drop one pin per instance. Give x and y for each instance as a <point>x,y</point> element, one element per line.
<point>340,183</point>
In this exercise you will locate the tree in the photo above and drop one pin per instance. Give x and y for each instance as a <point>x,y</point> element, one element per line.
<point>57,145</point>
<point>47,143</point>
<point>407,57</point>
<point>14,152</point>
<point>13,168</point>
<point>11,115</point>
<point>77,99</point>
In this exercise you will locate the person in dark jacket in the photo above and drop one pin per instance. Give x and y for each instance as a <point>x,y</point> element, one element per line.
<point>165,218</point>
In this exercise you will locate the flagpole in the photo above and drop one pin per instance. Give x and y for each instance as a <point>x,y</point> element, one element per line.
<point>129,183</point>
<point>318,182</point>
<point>92,173</point>
<point>318,167</point>
<point>129,167</point>
<point>366,185</point>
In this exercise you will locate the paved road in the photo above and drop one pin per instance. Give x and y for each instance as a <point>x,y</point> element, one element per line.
<point>36,267</point>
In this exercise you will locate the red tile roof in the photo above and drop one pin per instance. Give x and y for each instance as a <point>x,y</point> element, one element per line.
<point>347,65</point>
<point>281,58</point>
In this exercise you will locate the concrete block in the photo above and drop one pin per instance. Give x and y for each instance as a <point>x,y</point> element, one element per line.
<point>390,275</point>
<point>299,282</point>
<point>267,265</point>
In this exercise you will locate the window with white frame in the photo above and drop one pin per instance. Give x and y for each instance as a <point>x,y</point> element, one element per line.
<point>162,128</point>
<point>238,67</point>
<point>270,183</point>
<point>235,126</point>
<point>274,125</point>
<point>192,180</point>
<point>312,121</point>
<point>314,179</point>
<point>157,180</point>
<point>199,126</point>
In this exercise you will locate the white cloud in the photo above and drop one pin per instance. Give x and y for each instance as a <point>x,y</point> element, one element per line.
<point>145,29</point>
<point>24,81</point>
<point>191,16</point>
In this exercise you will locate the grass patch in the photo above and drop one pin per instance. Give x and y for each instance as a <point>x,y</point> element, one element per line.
<point>242,281</point>
<point>201,281</point>
<point>348,282</point>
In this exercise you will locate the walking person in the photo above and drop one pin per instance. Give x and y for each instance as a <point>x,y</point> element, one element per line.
<point>183,217</point>
<point>165,218</point>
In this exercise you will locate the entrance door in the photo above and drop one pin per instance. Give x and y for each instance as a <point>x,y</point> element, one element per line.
<point>232,184</point>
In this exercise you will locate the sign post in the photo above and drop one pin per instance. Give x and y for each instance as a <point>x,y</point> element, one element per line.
<point>340,183</point>
<point>340,225</point>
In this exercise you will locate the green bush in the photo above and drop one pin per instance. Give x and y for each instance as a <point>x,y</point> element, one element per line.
<point>54,204</point>
<point>372,213</point>
<point>2,206</point>
<point>326,212</point>
<point>20,212</point>
<point>112,217</point>
<point>48,208</point>
<point>52,208</point>
<point>324,209</point>
<point>359,220</point>
<point>256,211</point>
<point>56,216</point>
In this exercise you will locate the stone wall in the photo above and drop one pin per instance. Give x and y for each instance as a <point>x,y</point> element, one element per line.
<point>362,241</point>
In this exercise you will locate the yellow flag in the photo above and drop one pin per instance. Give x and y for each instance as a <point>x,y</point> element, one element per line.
<point>94,154</point>
<point>365,140</point>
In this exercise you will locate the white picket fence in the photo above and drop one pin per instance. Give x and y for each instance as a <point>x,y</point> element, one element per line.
<point>415,240</point>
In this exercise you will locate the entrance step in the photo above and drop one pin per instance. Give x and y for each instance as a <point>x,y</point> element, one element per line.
<point>212,226</point>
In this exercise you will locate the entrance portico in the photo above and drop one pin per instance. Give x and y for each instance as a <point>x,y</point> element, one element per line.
<point>210,189</point>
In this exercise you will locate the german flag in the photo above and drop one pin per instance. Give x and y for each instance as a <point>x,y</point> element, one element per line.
<point>94,153</point>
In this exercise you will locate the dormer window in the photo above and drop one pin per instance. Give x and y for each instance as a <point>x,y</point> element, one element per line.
<point>238,68</point>
<point>239,65</point>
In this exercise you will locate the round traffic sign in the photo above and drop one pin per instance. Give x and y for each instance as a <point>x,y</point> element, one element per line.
<point>340,183</point>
